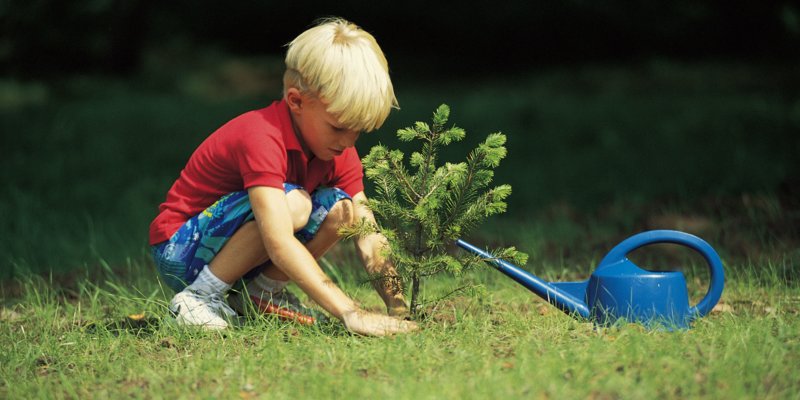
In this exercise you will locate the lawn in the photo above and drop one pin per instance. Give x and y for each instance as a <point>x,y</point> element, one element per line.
<point>498,342</point>
<point>596,154</point>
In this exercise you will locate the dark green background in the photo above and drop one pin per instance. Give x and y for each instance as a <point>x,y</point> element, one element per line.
<point>616,113</point>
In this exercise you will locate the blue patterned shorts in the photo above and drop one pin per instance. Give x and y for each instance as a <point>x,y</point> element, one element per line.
<point>181,258</point>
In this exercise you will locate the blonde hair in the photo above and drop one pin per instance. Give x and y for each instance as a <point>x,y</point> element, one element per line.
<point>343,65</point>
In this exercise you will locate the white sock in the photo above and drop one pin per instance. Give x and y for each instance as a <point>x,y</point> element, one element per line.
<point>208,283</point>
<point>264,285</point>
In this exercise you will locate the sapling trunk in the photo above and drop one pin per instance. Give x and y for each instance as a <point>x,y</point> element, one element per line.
<point>415,283</point>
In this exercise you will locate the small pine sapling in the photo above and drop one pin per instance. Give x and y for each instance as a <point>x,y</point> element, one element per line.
<point>421,210</point>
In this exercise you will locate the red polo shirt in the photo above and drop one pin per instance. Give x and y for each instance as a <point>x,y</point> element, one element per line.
<point>258,148</point>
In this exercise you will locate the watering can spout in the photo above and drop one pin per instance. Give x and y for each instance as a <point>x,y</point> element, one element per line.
<point>567,296</point>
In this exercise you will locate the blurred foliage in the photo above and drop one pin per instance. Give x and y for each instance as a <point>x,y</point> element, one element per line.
<point>49,38</point>
<point>615,112</point>
<point>595,153</point>
<point>589,135</point>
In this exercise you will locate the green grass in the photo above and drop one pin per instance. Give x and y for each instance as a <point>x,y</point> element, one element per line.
<point>596,154</point>
<point>77,342</point>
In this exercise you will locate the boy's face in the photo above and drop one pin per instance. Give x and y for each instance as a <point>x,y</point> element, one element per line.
<point>320,132</point>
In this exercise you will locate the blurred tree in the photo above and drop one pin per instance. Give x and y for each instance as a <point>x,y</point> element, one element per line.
<point>50,37</point>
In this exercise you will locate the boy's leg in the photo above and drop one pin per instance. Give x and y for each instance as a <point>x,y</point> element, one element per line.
<point>331,209</point>
<point>245,249</point>
<point>328,234</point>
<point>326,237</point>
<point>221,259</point>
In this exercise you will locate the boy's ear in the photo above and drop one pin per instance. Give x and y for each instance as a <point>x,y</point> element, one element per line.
<point>294,99</point>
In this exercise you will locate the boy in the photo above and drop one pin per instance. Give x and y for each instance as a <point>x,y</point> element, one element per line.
<point>265,194</point>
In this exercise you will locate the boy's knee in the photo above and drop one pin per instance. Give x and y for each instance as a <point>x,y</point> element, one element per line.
<point>341,214</point>
<point>299,208</point>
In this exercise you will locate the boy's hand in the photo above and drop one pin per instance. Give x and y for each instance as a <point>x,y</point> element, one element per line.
<point>374,324</point>
<point>398,311</point>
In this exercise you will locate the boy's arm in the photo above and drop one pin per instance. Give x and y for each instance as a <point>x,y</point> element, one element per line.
<point>371,249</point>
<point>290,256</point>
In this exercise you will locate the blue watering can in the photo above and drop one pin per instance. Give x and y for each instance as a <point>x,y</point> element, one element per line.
<point>620,289</point>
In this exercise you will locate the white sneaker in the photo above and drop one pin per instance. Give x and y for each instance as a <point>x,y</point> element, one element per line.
<point>191,307</point>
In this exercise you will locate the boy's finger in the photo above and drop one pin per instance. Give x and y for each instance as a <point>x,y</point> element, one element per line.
<point>408,326</point>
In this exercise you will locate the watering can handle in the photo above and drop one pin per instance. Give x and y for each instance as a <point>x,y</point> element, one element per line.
<point>620,253</point>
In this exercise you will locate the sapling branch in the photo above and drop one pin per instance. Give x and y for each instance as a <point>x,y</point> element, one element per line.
<point>400,174</point>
